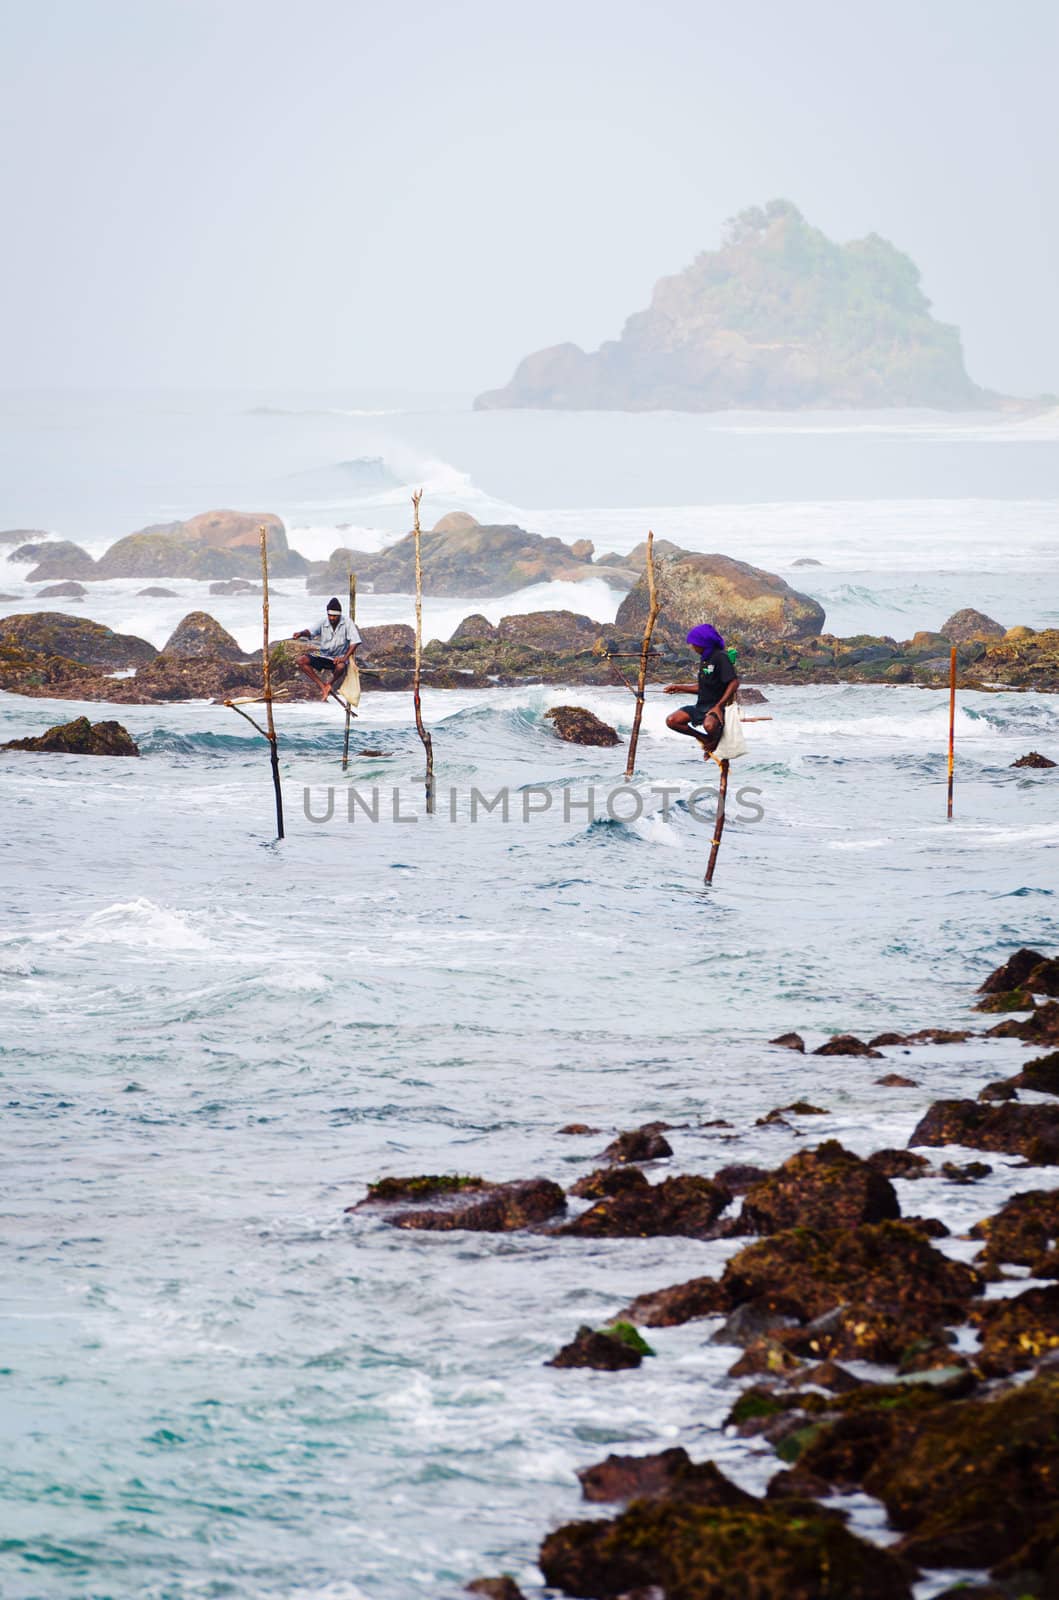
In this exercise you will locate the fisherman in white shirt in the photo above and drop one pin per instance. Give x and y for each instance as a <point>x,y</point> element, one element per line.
<point>336,641</point>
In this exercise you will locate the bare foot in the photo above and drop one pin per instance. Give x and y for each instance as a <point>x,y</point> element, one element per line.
<point>327,693</point>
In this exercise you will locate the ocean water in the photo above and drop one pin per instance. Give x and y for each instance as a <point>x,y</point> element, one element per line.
<point>216,1382</point>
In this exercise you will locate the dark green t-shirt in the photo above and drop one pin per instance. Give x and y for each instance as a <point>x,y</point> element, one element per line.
<point>715,674</point>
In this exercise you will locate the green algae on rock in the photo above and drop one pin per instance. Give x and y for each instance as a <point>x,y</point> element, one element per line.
<point>81,738</point>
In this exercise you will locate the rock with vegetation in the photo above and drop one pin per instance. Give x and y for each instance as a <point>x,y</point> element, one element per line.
<point>475,629</point>
<point>470,561</point>
<point>828,1187</point>
<point>59,558</point>
<point>1010,1129</point>
<point>846,1044</point>
<point>1019,1332</point>
<point>1034,759</point>
<point>474,1205</point>
<point>198,635</point>
<point>971,624</point>
<point>215,544</point>
<point>1040,1027</point>
<point>648,1143</point>
<point>577,726</point>
<point>90,644</point>
<point>740,600</point>
<point>81,738</point>
<point>677,1548</point>
<point>779,317</point>
<point>610,1349</point>
<point>685,1206</point>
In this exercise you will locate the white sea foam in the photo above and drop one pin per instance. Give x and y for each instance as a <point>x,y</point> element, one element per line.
<point>140,924</point>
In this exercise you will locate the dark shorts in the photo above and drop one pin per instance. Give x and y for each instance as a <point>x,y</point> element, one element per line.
<point>323,663</point>
<point>697,714</point>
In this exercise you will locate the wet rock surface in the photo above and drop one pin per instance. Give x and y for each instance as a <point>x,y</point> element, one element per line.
<point>1008,1128</point>
<point>846,1044</point>
<point>648,1143</point>
<point>473,1205</point>
<point>601,1348</point>
<point>81,738</point>
<point>826,1187</point>
<point>578,726</point>
<point>1023,1233</point>
<point>686,1205</point>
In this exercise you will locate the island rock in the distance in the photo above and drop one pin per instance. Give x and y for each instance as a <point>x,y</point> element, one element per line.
<point>780,317</point>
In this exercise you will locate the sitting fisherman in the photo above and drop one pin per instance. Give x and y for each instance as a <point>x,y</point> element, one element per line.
<point>717,687</point>
<point>336,642</point>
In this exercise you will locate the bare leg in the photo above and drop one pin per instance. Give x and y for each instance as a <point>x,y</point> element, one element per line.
<point>314,677</point>
<point>680,722</point>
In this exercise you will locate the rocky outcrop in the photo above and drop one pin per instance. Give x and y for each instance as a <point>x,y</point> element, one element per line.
<point>215,544</point>
<point>1034,759</point>
<point>81,738</point>
<point>564,632</point>
<point>971,624</point>
<point>61,559</point>
<point>740,600</point>
<point>475,1206</point>
<point>607,1349</point>
<point>648,1143</point>
<point>1011,1129</point>
<point>470,560</point>
<point>475,629</point>
<point>824,1188</point>
<point>1023,1233</point>
<point>779,317</point>
<point>578,726</point>
<point>200,636</point>
<point>684,1206</point>
<point>54,633</point>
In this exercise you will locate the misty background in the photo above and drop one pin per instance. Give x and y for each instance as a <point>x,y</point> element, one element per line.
<point>250,193</point>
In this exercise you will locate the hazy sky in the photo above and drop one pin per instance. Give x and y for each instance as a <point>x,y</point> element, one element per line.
<point>325,193</point>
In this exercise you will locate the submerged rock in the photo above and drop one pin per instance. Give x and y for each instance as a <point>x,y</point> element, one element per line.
<point>1011,1129</point>
<point>62,591</point>
<point>81,738</point>
<point>640,1144</point>
<point>846,1044</point>
<point>155,592</point>
<point>1033,759</point>
<point>790,1041</point>
<point>470,1204</point>
<point>578,726</point>
<point>824,1188</point>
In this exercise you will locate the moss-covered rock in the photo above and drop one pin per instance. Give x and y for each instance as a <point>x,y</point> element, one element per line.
<point>1013,1129</point>
<point>771,1550</point>
<point>687,1206</point>
<point>738,598</point>
<point>215,544</point>
<point>81,738</point>
<point>1019,1332</point>
<point>578,726</point>
<point>601,1348</point>
<point>200,636</point>
<point>475,1206</point>
<point>1042,1027</point>
<point>55,633</point>
<point>823,1188</point>
<point>423,1186</point>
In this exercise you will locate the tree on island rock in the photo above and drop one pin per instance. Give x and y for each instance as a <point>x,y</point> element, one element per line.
<point>779,317</point>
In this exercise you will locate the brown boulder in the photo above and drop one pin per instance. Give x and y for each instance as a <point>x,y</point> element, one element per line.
<point>790,1041</point>
<point>768,1550</point>
<point>62,591</point>
<point>563,632</point>
<point>640,1144</point>
<point>388,637</point>
<point>474,629</point>
<point>846,1044</point>
<point>684,1206</point>
<point>752,605</point>
<point>682,1302</point>
<point>198,635</point>
<point>1012,974</point>
<point>1041,1074</point>
<point>214,544</point>
<point>824,1188</point>
<point>53,633</point>
<point>1024,1233</point>
<point>1017,1332</point>
<point>575,725</point>
<point>61,559</point>
<point>899,1164</point>
<point>971,624</point>
<point>1011,1129</point>
<point>81,738</point>
<point>483,1208</point>
<point>671,1474</point>
<point>501,1588</point>
<point>605,1349</point>
<point>1033,758</point>
<point>1040,1028</point>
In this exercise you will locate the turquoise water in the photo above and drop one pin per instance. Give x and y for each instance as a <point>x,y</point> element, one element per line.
<point>215,1383</point>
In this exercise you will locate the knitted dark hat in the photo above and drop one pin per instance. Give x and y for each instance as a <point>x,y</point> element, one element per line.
<point>333,605</point>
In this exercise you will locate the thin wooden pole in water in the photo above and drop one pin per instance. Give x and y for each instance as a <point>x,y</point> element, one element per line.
<point>349,708</point>
<point>266,679</point>
<point>718,826</point>
<point>428,746</point>
<point>645,651</point>
<point>952,724</point>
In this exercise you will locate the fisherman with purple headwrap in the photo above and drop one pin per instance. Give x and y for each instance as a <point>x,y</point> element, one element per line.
<point>716,688</point>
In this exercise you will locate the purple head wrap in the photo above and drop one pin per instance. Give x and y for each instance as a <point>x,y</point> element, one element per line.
<point>705,637</point>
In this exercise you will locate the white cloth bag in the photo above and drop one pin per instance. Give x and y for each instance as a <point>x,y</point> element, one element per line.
<point>732,742</point>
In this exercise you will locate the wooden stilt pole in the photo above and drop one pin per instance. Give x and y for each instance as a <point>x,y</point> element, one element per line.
<point>645,651</point>
<point>718,826</point>
<point>428,746</point>
<point>266,678</point>
<point>349,709</point>
<point>952,724</point>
